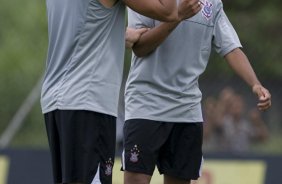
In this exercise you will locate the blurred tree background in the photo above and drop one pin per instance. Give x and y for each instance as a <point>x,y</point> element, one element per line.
<point>23,47</point>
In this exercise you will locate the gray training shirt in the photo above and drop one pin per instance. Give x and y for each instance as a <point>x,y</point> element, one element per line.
<point>85,56</point>
<point>163,86</point>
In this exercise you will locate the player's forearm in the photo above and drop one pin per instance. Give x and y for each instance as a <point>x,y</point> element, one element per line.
<point>150,40</point>
<point>163,10</point>
<point>239,62</point>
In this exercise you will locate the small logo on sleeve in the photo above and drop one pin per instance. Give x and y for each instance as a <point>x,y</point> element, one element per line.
<point>134,154</point>
<point>207,9</point>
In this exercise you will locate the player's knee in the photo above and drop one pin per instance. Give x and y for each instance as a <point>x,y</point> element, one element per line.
<point>136,178</point>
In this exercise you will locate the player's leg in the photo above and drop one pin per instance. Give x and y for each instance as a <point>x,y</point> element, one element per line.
<point>169,180</point>
<point>136,178</point>
<point>174,180</point>
<point>142,141</point>
<point>181,157</point>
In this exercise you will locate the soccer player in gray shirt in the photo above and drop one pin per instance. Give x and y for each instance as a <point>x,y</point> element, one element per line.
<point>82,81</point>
<point>162,97</point>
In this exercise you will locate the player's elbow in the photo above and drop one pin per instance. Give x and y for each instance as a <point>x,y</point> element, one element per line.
<point>139,52</point>
<point>168,10</point>
<point>169,15</point>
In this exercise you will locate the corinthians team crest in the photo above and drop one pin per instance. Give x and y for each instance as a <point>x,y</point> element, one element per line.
<point>207,9</point>
<point>109,167</point>
<point>134,154</point>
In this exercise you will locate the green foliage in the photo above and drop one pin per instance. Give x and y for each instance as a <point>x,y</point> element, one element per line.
<point>33,133</point>
<point>23,44</point>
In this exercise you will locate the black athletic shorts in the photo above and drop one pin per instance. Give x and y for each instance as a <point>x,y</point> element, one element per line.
<point>176,148</point>
<point>82,145</point>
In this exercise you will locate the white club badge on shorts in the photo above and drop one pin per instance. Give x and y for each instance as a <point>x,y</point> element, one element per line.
<point>134,154</point>
<point>207,9</point>
<point>109,167</point>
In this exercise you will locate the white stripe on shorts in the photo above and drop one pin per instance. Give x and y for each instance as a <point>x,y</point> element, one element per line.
<point>96,179</point>
<point>123,160</point>
<point>201,167</point>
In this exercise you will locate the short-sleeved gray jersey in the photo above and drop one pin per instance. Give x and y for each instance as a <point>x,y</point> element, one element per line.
<point>163,86</point>
<point>85,56</point>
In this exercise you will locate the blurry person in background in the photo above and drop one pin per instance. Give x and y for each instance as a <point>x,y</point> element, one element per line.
<point>80,91</point>
<point>212,130</point>
<point>163,113</point>
<point>241,129</point>
<point>214,110</point>
<point>261,131</point>
<point>229,125</point>
<point>224,101</point>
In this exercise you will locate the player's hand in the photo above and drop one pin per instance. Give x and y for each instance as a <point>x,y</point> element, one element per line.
<point>188,8</point>
<point>132,36</point>
<point>263,95</point>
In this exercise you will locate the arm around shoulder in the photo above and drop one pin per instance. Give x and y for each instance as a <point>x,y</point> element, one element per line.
<point>163,10</point>
<point>151,39</point>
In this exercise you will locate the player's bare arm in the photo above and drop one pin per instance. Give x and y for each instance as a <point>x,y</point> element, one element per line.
<point>163,10</point>
<point>150,40</point>
<point>108,3</point>
<point>133,35</point>
<point>239,62</point>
